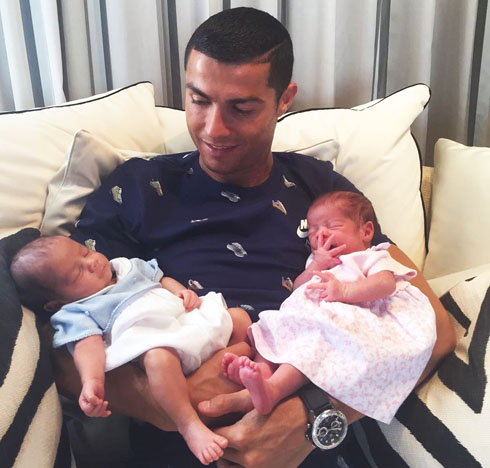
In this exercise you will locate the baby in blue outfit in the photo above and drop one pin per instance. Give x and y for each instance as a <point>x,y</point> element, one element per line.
<point>112,312</point>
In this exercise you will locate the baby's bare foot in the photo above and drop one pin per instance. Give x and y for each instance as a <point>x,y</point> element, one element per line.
<point>230,366</point>
<point>204,443</point>
<point>260,390</point>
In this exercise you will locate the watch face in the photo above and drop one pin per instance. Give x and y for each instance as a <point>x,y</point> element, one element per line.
<point>329,429</point>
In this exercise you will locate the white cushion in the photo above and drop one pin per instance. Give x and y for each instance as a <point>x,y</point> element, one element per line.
<point>377,153</point>
<point>88,161</point>
<point>442,284</point>
<point>34,144</point>
<point>460,223</point>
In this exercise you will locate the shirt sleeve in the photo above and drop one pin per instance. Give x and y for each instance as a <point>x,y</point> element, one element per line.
<point>150,269</point>
<point>72,324</point>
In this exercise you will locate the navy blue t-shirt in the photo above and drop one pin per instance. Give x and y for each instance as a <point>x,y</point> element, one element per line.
<point>248,243</point>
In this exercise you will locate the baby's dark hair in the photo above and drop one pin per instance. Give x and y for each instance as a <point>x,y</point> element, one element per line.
<point>29,272</point>
<point>246,35</point>
<point>353,205</point>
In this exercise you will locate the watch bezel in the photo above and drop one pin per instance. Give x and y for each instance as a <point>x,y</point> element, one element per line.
<point>315,428</point>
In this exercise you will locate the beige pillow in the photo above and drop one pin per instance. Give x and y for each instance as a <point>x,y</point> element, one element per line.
<point>34,144</point>
<point>88,161</point>
<point>460,223</point>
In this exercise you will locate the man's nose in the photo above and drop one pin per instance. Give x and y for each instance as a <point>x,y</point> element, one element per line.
<point>216,125</point>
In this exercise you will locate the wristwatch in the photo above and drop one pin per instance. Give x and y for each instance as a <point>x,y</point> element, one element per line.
<point>327,426</point>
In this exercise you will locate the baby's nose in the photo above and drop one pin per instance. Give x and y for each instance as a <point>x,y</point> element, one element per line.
<point>322,235</point>
<point>92,264</point>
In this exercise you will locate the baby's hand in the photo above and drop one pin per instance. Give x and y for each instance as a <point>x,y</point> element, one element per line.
<point>92,399</point>
<point>190,298</point>
<point>324,255</point>
<point>329,289</point>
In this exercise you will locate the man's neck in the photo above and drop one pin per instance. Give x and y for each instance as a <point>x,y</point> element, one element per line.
<point>252,178</point>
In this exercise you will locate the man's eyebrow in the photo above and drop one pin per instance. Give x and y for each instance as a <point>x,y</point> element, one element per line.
<point>246,99</point>
<point>241,100</point>
<point>196,90</point>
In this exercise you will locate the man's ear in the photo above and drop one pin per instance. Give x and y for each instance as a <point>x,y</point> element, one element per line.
<point>53,306</point>
<point>287,98</point>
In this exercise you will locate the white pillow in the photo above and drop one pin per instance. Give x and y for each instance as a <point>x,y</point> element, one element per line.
<point>377,153</point>
<point>88,161</point>
<point>34,143</point>
<point>460,223</point>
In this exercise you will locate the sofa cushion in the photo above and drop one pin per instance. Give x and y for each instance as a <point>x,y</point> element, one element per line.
<point>31,422</point>
<point>34,143</point>
<point>460,209</point>
<point>446,421</point>
<point>377,153</point>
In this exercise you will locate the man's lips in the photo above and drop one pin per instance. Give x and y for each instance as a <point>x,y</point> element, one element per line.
<point>219,147</point>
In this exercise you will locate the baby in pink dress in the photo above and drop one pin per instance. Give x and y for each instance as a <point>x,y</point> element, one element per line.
<point>354,325</point>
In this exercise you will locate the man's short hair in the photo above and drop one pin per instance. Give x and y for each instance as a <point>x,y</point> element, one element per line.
<point>246,35</point>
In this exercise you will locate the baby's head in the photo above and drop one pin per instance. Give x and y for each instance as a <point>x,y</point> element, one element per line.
<point>52,271</point>
<point>346,216</point>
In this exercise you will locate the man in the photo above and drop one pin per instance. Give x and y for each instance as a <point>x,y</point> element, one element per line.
<point>225,218</point>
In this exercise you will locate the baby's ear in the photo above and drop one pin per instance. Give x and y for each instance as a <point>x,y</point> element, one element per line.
<point>367,230</point>
<point>53,306</point>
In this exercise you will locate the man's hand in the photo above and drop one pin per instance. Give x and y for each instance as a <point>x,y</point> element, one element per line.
<point>273,441</point>
<point>190,299</point>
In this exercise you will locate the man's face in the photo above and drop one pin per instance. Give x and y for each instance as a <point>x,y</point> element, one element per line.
<point>231,115</point>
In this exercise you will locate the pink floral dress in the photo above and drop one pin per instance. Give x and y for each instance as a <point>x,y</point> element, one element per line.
<point>368,355</point>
